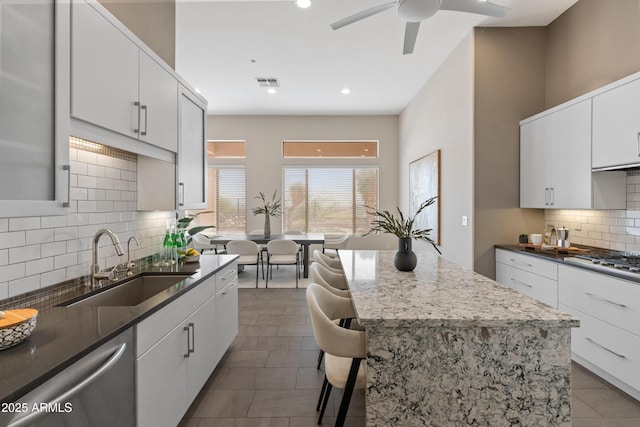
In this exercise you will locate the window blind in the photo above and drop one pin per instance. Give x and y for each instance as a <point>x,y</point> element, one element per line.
<point>329,200</point>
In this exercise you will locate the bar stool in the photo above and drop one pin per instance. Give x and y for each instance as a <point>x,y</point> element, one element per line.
<point>345,349</point>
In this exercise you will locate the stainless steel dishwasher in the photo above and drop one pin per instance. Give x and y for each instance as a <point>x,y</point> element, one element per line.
<point>98,390</point>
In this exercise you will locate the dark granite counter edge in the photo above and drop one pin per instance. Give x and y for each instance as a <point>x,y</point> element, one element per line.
<point>55,361</point>
<point>559,258</point>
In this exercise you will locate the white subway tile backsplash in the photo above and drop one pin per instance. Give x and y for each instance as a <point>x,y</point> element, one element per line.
<point>53,249</point>
<point>12,271</point>
<point>66,260</point>
<point>52,277</point>
<point>24,253</point>
<point>41,265</point>
<point>26,284</point>
<point>87,206</point>
<point>97,171</point>
<point>79,168</point>
<point>12,239</point>
<point>613,229</point>
<point>87,157</point>
<point>42,251</point>
<point>87,181</point>
<point>27,223</point>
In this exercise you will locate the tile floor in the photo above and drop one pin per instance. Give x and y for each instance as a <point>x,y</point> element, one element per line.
<point>268,377</point>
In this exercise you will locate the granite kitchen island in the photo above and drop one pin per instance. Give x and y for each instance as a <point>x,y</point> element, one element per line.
<point>450,347</point>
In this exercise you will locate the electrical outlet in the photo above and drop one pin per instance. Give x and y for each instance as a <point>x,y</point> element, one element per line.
<point>464,220</point>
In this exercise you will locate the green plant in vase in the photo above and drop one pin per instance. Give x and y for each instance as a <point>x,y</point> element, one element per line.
<point>403,228</point>
<point>268,209</point>
<point>184,233</point>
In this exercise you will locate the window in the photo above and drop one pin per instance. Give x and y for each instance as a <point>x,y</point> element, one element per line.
<point>226,198</point>
<point>330,149</point>
<point>329,200</point>
<point>225,149</point>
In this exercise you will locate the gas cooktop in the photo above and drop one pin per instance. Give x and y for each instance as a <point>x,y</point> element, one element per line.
<point>626,265</point>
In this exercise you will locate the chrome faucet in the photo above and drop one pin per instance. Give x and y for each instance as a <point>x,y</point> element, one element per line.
<point>130,263</point>
<point>96,274</point>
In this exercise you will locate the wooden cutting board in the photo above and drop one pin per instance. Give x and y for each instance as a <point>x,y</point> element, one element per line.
<point>15,317</point>
<point>552,248</point>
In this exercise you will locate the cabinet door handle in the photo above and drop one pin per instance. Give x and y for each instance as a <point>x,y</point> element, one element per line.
<point>146,119</point>
<point>518,282</point>
<point>599,298</point>
<point>187,329</point>
<point>638,144</point>
<point>193,337</point>
<point>231,274</point>
<point>181,194</point>
<point>546,196</point>
<point>552,192</point>
<point>621,356</point>
<point>137,129</point>
<point>68,202</point>
<point>515,261</point>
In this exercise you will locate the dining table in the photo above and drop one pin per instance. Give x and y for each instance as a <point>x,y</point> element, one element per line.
<point>304,240</point>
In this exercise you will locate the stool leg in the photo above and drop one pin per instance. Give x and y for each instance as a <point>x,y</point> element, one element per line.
<point>348,391</point>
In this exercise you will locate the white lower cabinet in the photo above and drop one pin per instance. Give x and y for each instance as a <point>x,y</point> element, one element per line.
<point>608,339</point>
<point>179,346</point>
<point>528,275</point>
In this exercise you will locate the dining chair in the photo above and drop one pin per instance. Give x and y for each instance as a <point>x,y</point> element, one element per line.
<point>300,249</point>
<point>334,242</point>
<point>249,254</point>
<point>345,349</point>
<point>201,243</point>
<point>333,264</point>
<point>282,252</point>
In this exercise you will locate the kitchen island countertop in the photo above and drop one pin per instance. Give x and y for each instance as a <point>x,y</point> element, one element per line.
<point>448,346</point>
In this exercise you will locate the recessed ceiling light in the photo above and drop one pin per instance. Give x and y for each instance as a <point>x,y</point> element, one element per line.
<point>303,3</point>
<point>197,90</point>
<point>346,91</point>
<point>271,91</point>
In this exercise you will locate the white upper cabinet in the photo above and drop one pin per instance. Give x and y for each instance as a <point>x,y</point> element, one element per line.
<point>192,154</point>
<point>555,163</point>
<point>616,126</point>
<point>34,108</point>
<point>158,105</point>
<point>105,73</point>
<point>116,85</point>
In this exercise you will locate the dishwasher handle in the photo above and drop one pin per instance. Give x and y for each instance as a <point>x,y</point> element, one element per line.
<point>65,396</point>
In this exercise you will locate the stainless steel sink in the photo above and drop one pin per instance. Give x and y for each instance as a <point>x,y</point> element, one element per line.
<point>129,293</point>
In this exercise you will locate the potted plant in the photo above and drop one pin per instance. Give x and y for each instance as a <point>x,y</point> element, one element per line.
<point>523,238</point>
<point>404,259</point>
<point>182,226</point>
<point>268,209</point>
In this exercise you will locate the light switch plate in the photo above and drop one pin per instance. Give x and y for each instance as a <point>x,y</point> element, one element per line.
<point>464,220</point>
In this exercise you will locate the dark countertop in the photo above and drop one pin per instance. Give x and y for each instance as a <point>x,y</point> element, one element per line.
<point>64,335</point>
<point>559,257</point>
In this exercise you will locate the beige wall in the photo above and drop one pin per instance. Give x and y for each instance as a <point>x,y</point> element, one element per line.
<point>441,117</point>
<point>593,43</point>
<point>264,161</point>
<point>508,86</point>
<point>153,21</point>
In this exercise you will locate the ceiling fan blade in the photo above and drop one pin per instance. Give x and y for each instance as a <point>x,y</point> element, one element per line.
<point>362,15</point>
<point>410,36</point>
<point>475,6</point>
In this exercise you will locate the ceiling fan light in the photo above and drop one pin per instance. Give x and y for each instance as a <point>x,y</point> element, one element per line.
<point>418,10</point>
<point>303,4</point>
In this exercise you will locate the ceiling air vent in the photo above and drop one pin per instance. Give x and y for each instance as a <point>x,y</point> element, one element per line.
<point>268,81</point>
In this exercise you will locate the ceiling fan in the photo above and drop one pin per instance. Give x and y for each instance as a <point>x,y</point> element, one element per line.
<point>414,11</point>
